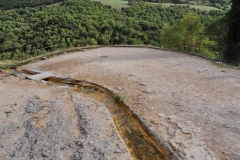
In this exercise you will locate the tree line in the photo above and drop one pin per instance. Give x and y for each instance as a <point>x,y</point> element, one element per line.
<point>28,32</point>
<point>13,4</point>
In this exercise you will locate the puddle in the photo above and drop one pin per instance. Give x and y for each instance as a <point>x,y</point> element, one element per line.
<point>139,144</point>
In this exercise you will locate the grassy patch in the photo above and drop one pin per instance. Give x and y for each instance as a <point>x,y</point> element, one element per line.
<point>120,98</point>
<point>118,4</point>
<point>117,97</point>
<point>8,112</point>
<point>62,148</point>
<point>3,67</point>
<point>36,97</point>
<point>206,8</point>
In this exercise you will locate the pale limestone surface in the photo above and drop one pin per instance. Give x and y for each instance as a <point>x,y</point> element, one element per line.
<point>193,104</point>
<point>40,120</point>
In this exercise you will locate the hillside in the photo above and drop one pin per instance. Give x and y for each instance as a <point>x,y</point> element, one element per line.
<point>13,4</point>
<point>29,32</point>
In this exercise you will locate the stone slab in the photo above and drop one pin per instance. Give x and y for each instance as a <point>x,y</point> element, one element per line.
<point>32,71</point>
<point>40,76</point>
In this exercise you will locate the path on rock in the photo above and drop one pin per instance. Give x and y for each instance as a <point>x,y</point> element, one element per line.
<point>193,104</point>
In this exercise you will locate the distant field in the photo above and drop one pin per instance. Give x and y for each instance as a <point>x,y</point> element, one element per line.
<point>207,8</point>
<point>118,4</point>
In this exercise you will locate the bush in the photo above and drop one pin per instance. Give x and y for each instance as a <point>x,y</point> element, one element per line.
<point>5,56</point>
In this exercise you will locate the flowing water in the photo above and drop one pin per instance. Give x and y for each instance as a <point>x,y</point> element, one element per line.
<point>139,144</point>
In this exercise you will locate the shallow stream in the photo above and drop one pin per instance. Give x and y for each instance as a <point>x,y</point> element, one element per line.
<point>134,133</point>
<point>139,144</point>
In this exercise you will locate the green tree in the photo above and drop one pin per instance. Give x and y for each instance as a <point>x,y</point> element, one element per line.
<point>218,31</point>
<point>232,52</point>
<point>73,23</point>
<point>188,36</point>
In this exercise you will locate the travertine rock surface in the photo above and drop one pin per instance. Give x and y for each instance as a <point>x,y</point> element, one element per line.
<point>40,120</point>
<point>193,104</point>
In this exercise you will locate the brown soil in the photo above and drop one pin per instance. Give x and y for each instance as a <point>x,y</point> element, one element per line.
<point>192,103</point>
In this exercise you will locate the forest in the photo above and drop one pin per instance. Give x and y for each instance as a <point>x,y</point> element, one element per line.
<point>12,4</point>
<point>28,32</point>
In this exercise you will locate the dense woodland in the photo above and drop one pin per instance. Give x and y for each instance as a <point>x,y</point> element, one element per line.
<point>33,31</point>
<point>12,4</point>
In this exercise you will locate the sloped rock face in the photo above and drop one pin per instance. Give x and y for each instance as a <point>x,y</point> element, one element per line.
<point>52,122</point>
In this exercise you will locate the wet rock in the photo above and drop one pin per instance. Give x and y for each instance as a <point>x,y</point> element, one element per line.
<point>40,76</point>
<point>32,71</point>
